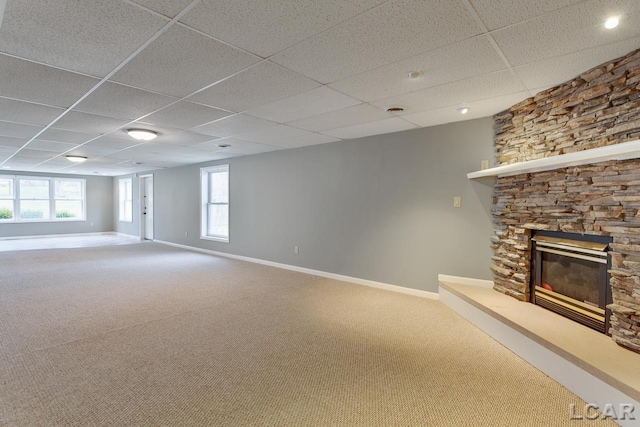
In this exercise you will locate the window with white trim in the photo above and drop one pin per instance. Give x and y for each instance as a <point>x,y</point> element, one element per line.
<point>215,203</point>
<point>125,200</point>
<point>41,199</point>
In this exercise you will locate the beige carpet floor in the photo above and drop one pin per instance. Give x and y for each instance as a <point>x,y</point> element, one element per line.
<point>149,335</point>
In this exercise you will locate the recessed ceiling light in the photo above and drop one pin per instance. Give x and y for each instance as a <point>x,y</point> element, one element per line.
<point>224,145</point>
<point>142,134</point>
<point>76,159</point>
<point>137,163</point>
<point>611,22</point>
<point>464,110</point>
<point>395,109</point>
<point>415,74</point>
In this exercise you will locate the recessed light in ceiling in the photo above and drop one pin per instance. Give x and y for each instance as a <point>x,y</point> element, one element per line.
<point>76,159</point>
<point>395,109</point>
<point>142,134</point>
<point>464,110</point>
<point>137,163</point>
<point>611,22</point>
<point>415,74</point>
<point>224,145</point>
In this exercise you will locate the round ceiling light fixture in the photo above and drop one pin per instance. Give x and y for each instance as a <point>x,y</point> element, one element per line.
<point>142,134</point>
<point>464,110</point>
<point>395,109</point>
<point>611,23</point>
<point>224,145</point>
<point>76,159</point>
<point>415,74</point>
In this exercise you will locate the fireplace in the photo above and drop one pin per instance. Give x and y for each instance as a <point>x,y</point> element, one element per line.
<point>570,276</point>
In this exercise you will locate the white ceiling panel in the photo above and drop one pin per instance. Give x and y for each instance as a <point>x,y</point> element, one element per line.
<point>27,113</point>
<point>38,154</point>
<point>28,81</point>
<point>316,101</point>
<point>60,135</point>
<point>567,30</point>
<point>273,134</point>
<point>549,72</point>
<point>246,148</point>
<point>477,109</point>
<point>454,62</point>
<point>500,13</point>
<point>338,119</point>
<point>52,146</point>
<point>18,130</point>
<point>92,36</point>
<point>393,124</point>
<point>265,27</point>
<point>169,8</point>
<point>185,115</point>
<point>456,93</point>
<point>12,142</point>
<point>123,102</point>
<point>183,138</point>
<point>304,140</point>
<point>92,151</point>
<point>234,125</point>
<point>89,123</point>
<point>263,83</point>
<point>110,141</point>
<point>396,30</point>
<point>182,61</point>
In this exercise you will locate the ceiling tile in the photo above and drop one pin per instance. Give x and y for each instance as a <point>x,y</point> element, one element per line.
<point>234,125</point>
<point>304,140</point>
<point>37,154</point>
<point>18,130</point>
<point>477,109</point>
<point>27,112</point>
<point>89,123</point>
<point>270,26</point>
<point>52,146</point>
<point>500,13</point>
<point>60,135</point>
<point>393,124</point>
<point>91,36</point>
<point>454,62</point>
<point>167,135</point>
<point>169,8</point>
<point>456,93</point>
<point>185,115</point>
<point>396,30</point>
<point>182,61</point>
<point>272,134</point>
<point>110,141</point>
<point>28,81</point>
<point>549,72</point>
<point>12,142</point>
<point>260,84</point>
<point>92,151</point>
<point>115,100</point>
<point>337,119</point>
<point>567,30</point>
<point>246,148</point>
<point>316,101</point>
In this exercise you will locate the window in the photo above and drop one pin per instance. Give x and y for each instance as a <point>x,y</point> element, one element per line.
<point>215,203</point>
<point>39,199</point>
<point>125,197</point>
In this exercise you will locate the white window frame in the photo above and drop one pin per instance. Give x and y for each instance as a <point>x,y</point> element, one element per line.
<point>205,201</point>
<point>51,199</point>
<point>124,214</point>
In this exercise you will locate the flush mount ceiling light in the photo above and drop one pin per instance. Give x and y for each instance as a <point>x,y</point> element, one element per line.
<point>137,163</point>
<point>611,22</point>
<point>395,109</point>
<point>464,110</point>
<point>224,145</point>
<point>142,134</point>
<point>415,74</point>
<point>76,159</point>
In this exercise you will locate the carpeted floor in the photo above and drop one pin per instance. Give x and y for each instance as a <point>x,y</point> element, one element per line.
<point>149,335</point>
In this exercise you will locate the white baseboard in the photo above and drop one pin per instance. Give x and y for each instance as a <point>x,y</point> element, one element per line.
<point>356,280</point>
<point>582,383</point>
<point>465,281</point>
<point>39,236</point>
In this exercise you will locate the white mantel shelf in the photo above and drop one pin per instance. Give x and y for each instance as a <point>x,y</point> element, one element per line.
<point>621,151</point>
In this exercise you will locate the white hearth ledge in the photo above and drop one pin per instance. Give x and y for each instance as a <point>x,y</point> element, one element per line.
<point>621,151</point>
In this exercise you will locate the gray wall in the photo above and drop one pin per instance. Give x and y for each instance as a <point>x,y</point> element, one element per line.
<point>99,201</point>
<point>377,208</point>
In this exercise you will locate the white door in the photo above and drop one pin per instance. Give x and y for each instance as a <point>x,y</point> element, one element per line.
<point>147,212</point>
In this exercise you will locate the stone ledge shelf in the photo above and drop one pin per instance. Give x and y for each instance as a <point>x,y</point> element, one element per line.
<point>621,151</point>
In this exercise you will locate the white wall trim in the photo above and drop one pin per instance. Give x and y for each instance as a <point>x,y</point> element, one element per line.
<point>356,280</point>
<point>577,380</point>
<point>38,236</point>
<point>465,281</point>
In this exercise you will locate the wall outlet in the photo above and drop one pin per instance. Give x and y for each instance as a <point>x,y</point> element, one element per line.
<point>484,164</point>
<point>295,250</point>
<point>186,234</point>
<point>457,201</point>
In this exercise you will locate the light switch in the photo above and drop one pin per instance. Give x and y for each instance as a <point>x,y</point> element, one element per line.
<point>457,201</point>
<point>484,164</point>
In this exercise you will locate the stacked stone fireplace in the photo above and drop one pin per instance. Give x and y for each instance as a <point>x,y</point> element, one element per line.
<point>599,108</point>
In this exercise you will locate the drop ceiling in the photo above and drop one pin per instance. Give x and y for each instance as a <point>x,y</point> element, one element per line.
<point>266,75</point>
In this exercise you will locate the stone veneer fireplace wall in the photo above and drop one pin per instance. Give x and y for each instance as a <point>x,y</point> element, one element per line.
<point>600,107</point>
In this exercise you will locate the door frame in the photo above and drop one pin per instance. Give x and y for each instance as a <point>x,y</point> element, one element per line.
<point>142,179</point>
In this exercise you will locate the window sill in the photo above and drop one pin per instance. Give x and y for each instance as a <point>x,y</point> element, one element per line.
<point>215,239</point>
